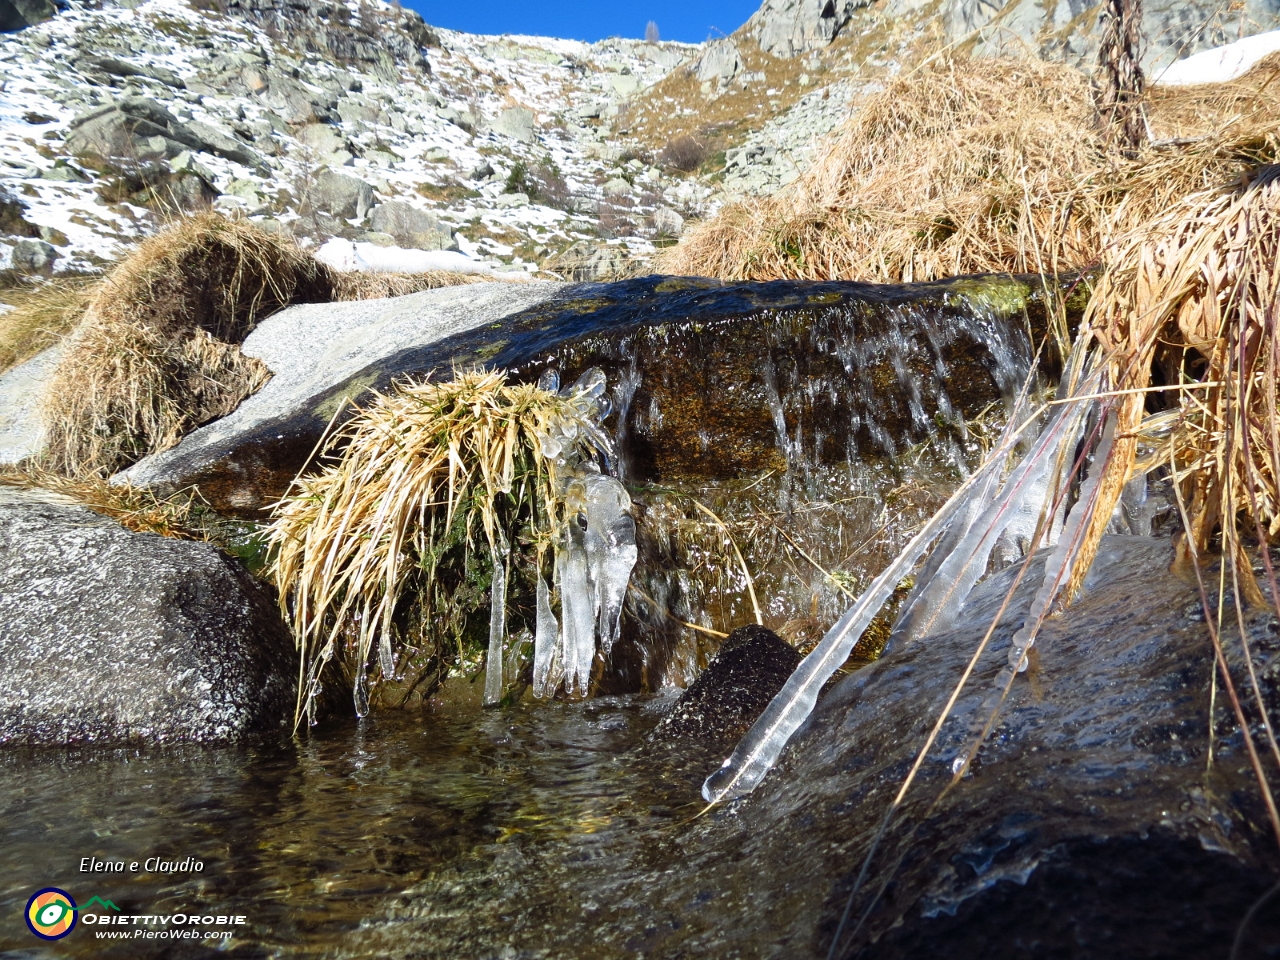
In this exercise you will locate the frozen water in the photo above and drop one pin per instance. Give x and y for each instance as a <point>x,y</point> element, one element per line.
<point>546,640</point>
<point>493,679</point>
<point>611,551</point>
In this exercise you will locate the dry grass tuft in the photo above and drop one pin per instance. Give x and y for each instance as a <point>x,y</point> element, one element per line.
<point>375,286</point>
<point>380,545</point>
<point>43,313</point>
<point>157,353</point>
<point>980,166</point>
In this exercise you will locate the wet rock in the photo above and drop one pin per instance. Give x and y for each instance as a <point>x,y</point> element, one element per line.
<point>411,227</point>
<point>721,705</point>
<point>109,635</point>
<point>1089,826</point>
<point>727,380</point>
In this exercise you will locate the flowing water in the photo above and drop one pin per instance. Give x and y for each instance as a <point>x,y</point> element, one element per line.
<point>504,822</point>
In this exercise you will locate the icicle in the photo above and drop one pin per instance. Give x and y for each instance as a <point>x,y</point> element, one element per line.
<point>577,605</point>
<point>611,551</point>
<point>756,754</point>
<point>360,692</point>
<point>1057,569</point>
<point>493,679</point>
<point>546,640</point>
<point>1019,504</point>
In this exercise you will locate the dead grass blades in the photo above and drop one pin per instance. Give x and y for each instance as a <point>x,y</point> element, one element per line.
<point>157,352</point>
<point>43,312</point>
<point>380,546</point>
<point>981,166</point>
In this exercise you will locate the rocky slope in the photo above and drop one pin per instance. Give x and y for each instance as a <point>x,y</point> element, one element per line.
<point>355,120</point>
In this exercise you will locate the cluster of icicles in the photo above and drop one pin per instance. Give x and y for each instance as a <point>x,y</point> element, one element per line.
<point>595,551</point>
<point>992,511</point>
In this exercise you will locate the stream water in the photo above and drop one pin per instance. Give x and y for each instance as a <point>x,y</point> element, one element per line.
<point>504,824</point>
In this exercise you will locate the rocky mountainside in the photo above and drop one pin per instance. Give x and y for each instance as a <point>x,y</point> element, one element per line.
<point>353,123</point>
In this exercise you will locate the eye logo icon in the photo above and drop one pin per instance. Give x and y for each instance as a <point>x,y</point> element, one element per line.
<point>51,913</point>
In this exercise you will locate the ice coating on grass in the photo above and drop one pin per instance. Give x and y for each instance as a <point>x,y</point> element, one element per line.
<point>595,547</point>
<point>967,520</point>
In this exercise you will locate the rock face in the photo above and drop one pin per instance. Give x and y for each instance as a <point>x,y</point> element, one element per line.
<point>309,350</point>
<point>339,195</point>
<point>111,636</point>
<point>411,227</point>
<point>1067,30</point>
<point>827,371</point>
<point>719,707</point>
<point>787,28</point>
<point>22,432</point>
<point>372,40</point>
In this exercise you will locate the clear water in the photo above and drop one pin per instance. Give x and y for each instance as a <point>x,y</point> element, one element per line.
<point>499,822</point>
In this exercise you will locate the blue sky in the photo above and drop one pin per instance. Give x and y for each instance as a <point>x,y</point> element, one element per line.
<point>689,20</point>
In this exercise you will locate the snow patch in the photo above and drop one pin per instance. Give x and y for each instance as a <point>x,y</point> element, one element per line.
<point>1220,64</point>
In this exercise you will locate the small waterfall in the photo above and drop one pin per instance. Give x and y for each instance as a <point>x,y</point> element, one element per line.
<point>821,432</point>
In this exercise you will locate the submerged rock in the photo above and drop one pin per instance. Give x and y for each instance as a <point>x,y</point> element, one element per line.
<point>719,707</point>
<point>110,636</point>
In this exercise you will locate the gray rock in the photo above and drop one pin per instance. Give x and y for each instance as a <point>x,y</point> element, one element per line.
<point>137,129</point>
<point>19,14</point>
<point>22,430</point>
<point>124,68</point>
<point>463,119</point>
<point>719,62</point>
<point>34,256</point>
<point>340,196</point>
<point>617,187</point>
<point>109,636</point>
<point>321,139</point>
<point>63,172</point>
<point>788,28</point>
<point>515,122</point>
<point>588,262</point>
<point>667,223</point>
<point>13,221</point>
<point>312,350</point>
<point>411,227</point>
<point>1067,30</point>
<point>506,200</point>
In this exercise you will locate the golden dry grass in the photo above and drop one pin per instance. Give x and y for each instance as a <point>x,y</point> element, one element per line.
<point>970,166</point>
<point>375,286</point>
<point>157,352</point>
<point>413,481</point>
<point>43,314</point>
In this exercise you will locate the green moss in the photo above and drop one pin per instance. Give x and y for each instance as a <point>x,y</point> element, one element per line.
<point>328,407</point>
<point>1003,296</point>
